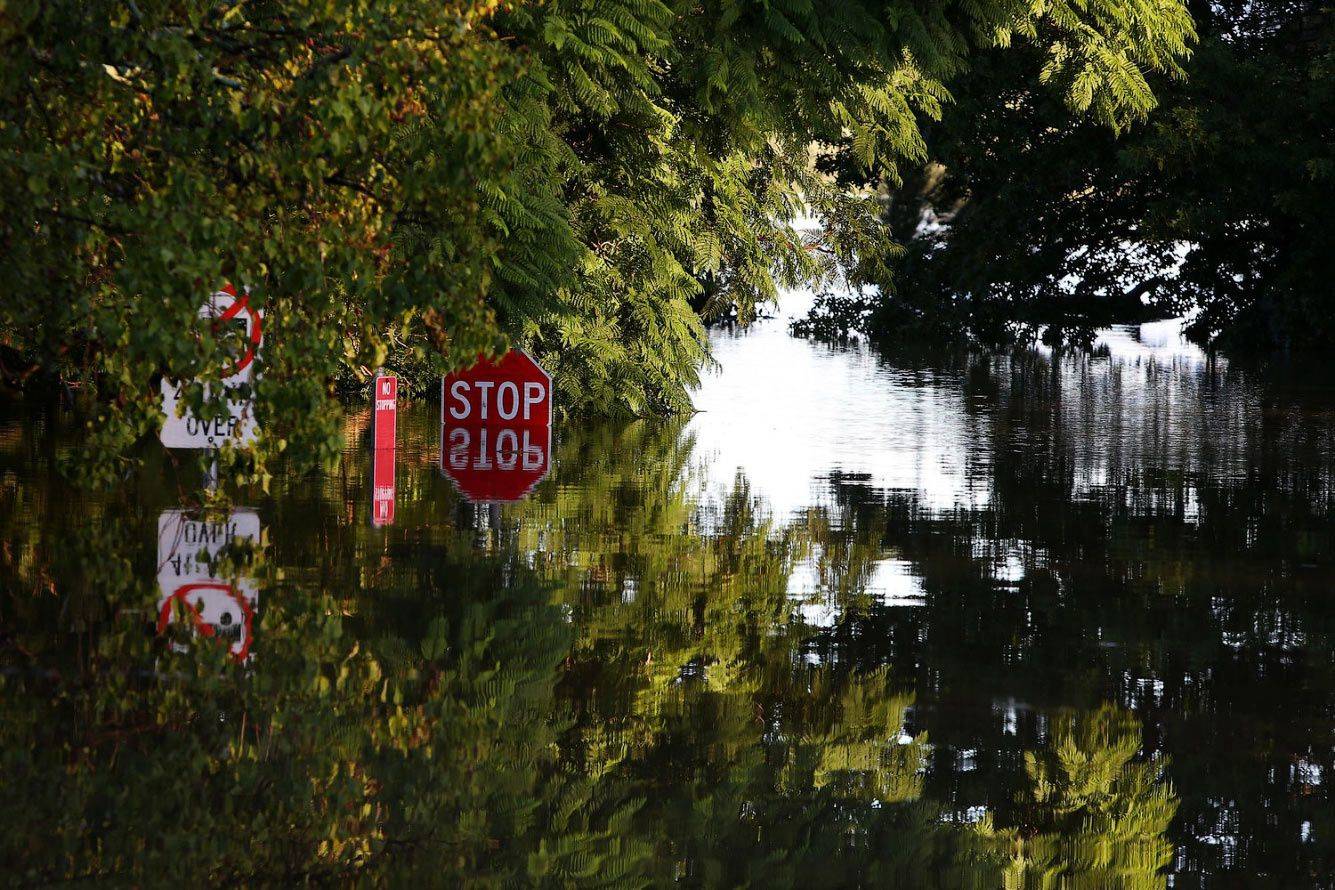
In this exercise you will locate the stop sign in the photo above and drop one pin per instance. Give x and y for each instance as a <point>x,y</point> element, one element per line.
<point>496,427</point>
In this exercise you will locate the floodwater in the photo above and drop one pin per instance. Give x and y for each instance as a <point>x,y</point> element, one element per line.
<point>914,619</point>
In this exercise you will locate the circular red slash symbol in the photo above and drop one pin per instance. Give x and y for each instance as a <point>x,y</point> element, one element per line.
<point>238,305</point>
<point>203,627</point>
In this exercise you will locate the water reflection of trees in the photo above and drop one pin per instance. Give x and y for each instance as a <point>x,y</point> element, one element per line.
<point>800,771</point>
<point>1178,569</point>
<point>615,688</point>
<point>620,684</point>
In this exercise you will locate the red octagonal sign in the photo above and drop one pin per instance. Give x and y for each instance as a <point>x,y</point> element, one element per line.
<point>496,427</point>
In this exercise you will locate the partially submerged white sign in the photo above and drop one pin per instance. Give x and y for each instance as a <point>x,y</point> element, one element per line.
<point>183,429</point>
<point>190,586</point>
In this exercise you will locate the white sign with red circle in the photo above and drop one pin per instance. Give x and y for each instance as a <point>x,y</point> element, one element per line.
<point>182,428</point>
<point>190,588</point>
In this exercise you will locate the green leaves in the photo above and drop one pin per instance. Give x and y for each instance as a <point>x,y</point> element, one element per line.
<point>418,183</point>
<point>436,640</point>
<point>1203,206</point>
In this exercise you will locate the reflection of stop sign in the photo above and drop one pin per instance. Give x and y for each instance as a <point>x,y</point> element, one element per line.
<point>496,427</point>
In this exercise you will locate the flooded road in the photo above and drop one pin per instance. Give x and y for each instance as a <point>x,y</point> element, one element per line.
<point>913,618</point>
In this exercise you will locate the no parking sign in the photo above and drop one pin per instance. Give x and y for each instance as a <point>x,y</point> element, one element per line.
<point>214,609</point>
<point>189,586</point>
<point>384,441</point>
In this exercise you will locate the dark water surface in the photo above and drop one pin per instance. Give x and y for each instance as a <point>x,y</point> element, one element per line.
<point>897,620</point>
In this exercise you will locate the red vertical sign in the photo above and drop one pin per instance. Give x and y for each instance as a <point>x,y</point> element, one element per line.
<point>385,439</point>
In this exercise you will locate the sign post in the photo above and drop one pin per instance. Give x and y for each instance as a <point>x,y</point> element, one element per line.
<point>384,435</point>
<point>182,428</point>
<point>496,428</point>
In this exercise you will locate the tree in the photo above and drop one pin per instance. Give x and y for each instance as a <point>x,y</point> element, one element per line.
<point>1216,207</point>
<point>1095,815</point>
<point>418,183</point>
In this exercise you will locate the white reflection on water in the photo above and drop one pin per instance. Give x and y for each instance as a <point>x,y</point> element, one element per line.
<point>1159,340</point>
<point>787,413</point>
<point>892,582</point>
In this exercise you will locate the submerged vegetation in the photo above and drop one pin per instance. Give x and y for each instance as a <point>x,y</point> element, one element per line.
<point>416,183</point>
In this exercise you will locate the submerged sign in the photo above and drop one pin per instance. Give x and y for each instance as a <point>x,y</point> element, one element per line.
<point>183,429</point>
<point>496,427</point>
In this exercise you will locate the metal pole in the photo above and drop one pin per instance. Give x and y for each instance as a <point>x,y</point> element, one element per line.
<point>211,472</point>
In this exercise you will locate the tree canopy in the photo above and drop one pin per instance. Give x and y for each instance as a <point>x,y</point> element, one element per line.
<point>417,183</point>
<point>1218,207</point>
